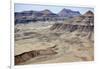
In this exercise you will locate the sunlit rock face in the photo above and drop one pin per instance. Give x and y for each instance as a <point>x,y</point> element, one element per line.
<point>82,23</point>
<point>71,28</point>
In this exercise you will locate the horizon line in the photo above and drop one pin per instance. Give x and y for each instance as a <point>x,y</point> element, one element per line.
<point>53,8</point>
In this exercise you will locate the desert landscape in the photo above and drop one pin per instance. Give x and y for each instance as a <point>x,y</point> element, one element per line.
<point>45,37</point>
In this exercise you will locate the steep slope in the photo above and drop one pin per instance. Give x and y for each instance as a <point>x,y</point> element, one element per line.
<point>78,22</point>
<point>44,15</point>
<point>68,13</point>
<point>83,23</point>
<point>48,13</point>
<point>26,16</point>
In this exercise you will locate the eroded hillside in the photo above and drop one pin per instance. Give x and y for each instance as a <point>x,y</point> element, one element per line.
<point>69,41</point>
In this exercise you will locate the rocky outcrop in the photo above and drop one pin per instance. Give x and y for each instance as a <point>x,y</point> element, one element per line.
<point>45,15</point>
<point>68,13</point>
<point>34,53</point>
<point>80,23</point>
<point>83,23</point>
<point>71,28</point>
<point>48,13</point>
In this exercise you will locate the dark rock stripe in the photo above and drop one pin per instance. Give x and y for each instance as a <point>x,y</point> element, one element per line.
<point>31,54</point>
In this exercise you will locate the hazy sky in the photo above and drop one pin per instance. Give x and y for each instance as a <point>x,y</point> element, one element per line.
<point>54,9</point>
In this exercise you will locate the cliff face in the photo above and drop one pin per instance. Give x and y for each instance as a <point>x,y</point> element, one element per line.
<point>82,23</point>
<point>71,28</point>
<point>45,15</point>
<point>34,53</point>
<point>68,13</point>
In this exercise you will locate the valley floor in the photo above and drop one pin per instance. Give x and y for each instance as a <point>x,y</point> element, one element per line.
<point>71,46</point>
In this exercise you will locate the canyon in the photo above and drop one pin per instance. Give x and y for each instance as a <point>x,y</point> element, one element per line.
<point>54,41</point>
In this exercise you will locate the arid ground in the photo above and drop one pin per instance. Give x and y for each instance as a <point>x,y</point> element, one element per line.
<point>37,43</point>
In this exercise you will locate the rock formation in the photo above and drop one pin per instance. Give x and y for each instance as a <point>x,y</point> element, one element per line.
<point>45,15</point>
<point>68,13</point>
<point>83,23</point>
<point>34,53</point>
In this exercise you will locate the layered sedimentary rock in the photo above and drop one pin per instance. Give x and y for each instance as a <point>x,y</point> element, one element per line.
<point>84,23</point>
<point>45,15</point>
<point>71,28</point>
<point>23,57</point>
<point>81,23</point>
<point>31,44</point>
<point>68,13</point>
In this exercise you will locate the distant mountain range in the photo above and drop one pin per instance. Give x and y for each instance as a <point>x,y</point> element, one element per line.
<point>68,13</point>
<point>45,15</point>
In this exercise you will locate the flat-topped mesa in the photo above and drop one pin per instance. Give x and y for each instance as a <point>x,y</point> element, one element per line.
<point>81,23</point>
